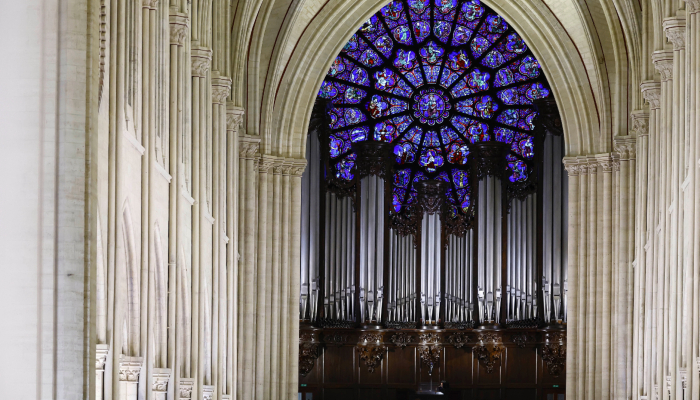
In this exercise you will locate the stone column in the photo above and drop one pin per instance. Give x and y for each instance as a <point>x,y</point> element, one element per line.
<point>276,323</point>
<point>234,118</point>
<point>604,275</point>
<point>179,27</point>
<point>221,87</point>
<point>100,361</point>
<point>572,362</point>
<point>584,356</point>
<point>129,371</point>
<point>249,146</point>
<point>652,93</point>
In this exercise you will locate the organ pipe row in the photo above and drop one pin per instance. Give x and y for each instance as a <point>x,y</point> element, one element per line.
<point>510,268</point>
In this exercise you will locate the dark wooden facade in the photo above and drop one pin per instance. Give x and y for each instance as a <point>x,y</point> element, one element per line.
<point>337,364</point>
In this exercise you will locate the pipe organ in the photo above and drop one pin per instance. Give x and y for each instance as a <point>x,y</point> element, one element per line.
<point>506,267</point>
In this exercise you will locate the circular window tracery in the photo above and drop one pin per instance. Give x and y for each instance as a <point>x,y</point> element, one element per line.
<point>434,77</point>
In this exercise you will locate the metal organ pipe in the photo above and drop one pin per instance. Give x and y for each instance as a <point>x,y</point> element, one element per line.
<point>489,217</point>
<point>372,248</point>
<point>310,228</point>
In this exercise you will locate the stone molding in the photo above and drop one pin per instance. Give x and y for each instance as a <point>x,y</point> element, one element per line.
<point>684,377</point>
<point>692,6</point>
<point>101,356</point>
<point>248,147</point>
<point>186,386</point>
<point>675,31</point>
<point>234,117</point>
<point>161,378</point>
<point>266,163</point>
<point>651,91</point>
<point>150,4</point>
<point>179,27</point>
<point>220,89</point>
<point>640,123</point>
<point>605,161</point>
<point>663,61</point>
<point>207,392</point>
<point>572,166</point>
<point>130,368</point>
<point>626,147</point>
<point>201,61</point>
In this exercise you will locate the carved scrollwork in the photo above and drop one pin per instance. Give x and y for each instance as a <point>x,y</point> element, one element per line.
<point>429,338</point>
<point>458,340</point>
<point>554,352</point>
<point>372,356</point>
<point>374,158</point>
<point>401,339</point>
<point>201,61</point>
<point>431,195</point>
<point>335,339</point>
<point>489,350</point>
<point>430,356</point>
<point>651,91</point>
<point>220,89</point>
<point>129,370</point>
<point>407,223</point>
<point>675,32</point>
<point>308,352</point>
<point>371,337</point>
<point>490,159</point>
<point>520,339</point>
<point>663,61</point>
<point>179,27</point>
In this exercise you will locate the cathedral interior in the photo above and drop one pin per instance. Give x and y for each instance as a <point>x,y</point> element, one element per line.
<point>350,200</point>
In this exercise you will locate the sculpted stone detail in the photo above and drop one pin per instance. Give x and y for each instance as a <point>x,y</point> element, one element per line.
<point>207,392</point>
<point>129,369</point>
<point>604,161</point>
<point>297,166</point>
<point>675,32</point>
<point>266,163</point>
<point>401,339</point>
<point>651,91</point>
<point>220,89</point>
<point>234,118</point>
<point>201,61</point>
<point>692,6</point>
<point>186,388</point>
<point>663,61</point>
<point>430,356</point>
<point>640,123</point>
<point>372,356</point>
<point>160,381</point>
<point>248,147</point>
<point>101,356</point>
<point>626,147</point>
<point>150,4</point>
<point>554,352</point>
<point>572,166</point>
<point>179,27</point>
<point>458,340</point>
<point>489,350</point>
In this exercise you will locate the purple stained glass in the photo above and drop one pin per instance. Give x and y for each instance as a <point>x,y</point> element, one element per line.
<point>431,160</point>
<point>431,106</point>
<point>434,101</point>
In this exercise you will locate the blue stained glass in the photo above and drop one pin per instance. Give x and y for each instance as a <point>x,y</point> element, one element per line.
<point>519,118</point>
<point>405,153</point>
<point>460,178</point>
<point>431,139</point>
<point>431,160</point>
<point>434,103</point>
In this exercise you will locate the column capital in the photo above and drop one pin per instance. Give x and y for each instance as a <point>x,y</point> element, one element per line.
<point>129,368</point>
<point>186,386</point>
<point>663,61</point>
<point>266,163</point>
<point>683,372</point>
<point>692,6</point>
<point>626,147</point>
<point>234,117</point>
<point>651,90</point>
<point>101,353</point>
<point>207,392</point>
<point>220,89</point>
<point>201,61</point>
<point>606,161</point>
<point>179,26</point>
<point>572,166</point>
<point>248,146</point>
<point>150,4</point>
<point>640,123</point>
<point>675,31</point>
<point>161,378</point>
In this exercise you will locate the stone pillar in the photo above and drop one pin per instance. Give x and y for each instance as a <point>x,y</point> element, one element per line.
<point>297,169</point>
<point>100,361</point>
<point>161,378</point>
<point>247,237</point>
<point>276,323</point>
<point>129,371</point>
<point>573,390</point>
<point>604,276</point>
<point>234,118</point>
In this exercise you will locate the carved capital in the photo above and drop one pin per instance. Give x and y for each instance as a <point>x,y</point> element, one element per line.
<point>651,90</point>
<point>430,356</point>
<point>692,6</point>
<point>186,386</point>
<point>401,339</point>
<point>675,31</point>
<point>220,89</point>
<point>554,352</point>
<point>488,350</point>
<point>458,340</point>
<point>129,369</point>
<point>572,166</point>
<point>248,147</point>
<point>179,27</point>
<point>150,4</point>
<point>684,377</point>
<point>297,166</point>
<point>234,118</point>
<point>372,355</point>
<point>640,123</point>
<point>604,161</point>
<point>161,377</point>
<point>101,356</point>
<point>207,392</point>
<point>201,61</point>
<point>626,147</point>
<point>663,61</point>
<point>266,163</point>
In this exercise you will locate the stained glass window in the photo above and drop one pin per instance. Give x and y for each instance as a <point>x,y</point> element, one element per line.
<point>434,77</point>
